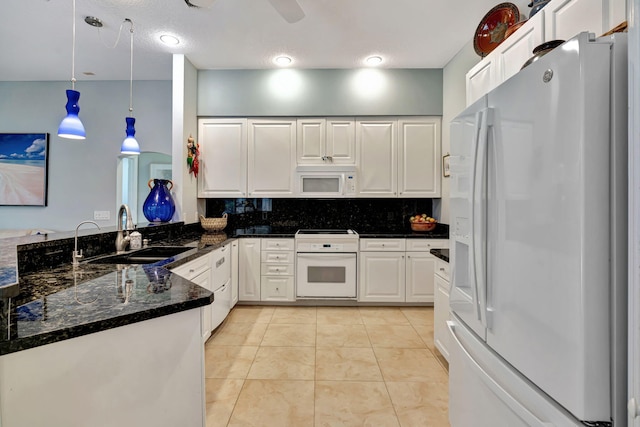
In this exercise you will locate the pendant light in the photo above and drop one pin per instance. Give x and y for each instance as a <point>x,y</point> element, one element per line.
<point>130,145</point>
<point>71,127</point>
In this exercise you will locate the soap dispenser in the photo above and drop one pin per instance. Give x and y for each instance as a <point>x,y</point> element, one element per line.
<point>136,240</point>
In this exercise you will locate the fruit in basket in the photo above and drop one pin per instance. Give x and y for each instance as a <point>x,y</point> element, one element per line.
<point>423,218</point>
<point>422,222</point>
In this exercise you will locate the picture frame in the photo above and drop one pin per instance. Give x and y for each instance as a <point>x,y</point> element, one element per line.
<point>160,171</point>
<point>446,167</point>
<point>24,162</point>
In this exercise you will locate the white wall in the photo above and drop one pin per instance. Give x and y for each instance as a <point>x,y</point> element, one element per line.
<point>453,102</point>
<point>320,92</point>
<point>82,174</point>
<point>185,123</point>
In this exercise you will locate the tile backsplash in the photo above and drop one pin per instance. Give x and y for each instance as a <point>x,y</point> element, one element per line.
<point>358,214</point>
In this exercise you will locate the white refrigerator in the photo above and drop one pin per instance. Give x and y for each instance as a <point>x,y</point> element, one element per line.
<point>539,243</point>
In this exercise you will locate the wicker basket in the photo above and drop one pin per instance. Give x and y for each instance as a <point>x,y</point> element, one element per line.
<point>214,224</point>
<point>213,238</point>
<point>423,226</point>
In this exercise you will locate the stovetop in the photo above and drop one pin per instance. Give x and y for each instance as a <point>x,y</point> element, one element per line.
<point>325,231</point>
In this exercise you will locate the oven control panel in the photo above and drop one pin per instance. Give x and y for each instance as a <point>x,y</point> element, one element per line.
<point>320,246</point>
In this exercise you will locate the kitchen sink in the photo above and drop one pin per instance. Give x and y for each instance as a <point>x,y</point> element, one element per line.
<point>142,256</point>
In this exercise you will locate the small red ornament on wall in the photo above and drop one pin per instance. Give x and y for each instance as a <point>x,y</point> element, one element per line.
<point>192,156</point>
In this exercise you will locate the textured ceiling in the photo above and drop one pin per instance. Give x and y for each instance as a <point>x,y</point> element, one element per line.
<point>231,34</point>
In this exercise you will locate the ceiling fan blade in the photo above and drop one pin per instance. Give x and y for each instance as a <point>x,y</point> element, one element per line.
<point>199,3</point>
<point>290,10</point>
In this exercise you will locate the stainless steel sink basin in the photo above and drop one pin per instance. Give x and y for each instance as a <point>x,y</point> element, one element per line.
<point>142,256</point>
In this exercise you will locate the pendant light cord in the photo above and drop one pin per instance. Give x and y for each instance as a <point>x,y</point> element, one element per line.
<point>73,49</point>
<point>131,72</point>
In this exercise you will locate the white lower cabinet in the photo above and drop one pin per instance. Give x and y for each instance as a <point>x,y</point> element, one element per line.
<point>382,270</point>
<point>441,308</point>
<point>419,277</point>
<point>249,270</point>
<point>235,254</point>
<point>277,282</point>
<point>398,270</point>
<point>204,280</point>
<point>199,272</point>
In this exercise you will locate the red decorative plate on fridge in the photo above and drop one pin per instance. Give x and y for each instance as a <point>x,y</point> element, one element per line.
<point>491,30</point>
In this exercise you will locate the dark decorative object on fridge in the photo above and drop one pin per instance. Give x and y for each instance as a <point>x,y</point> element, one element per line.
<point>541,50</point>
<point>536,5</point>
<point>159,205</point>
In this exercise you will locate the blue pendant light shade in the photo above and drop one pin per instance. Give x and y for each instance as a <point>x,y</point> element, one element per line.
<point>130,145</point>
<point>71,127</point>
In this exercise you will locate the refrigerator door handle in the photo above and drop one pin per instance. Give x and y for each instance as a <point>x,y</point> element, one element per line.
<point>496,388</point>
<point>478,214</point>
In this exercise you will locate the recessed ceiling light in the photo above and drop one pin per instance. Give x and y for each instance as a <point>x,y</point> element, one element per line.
<point>169,40</point>
<point>374,60</point>
<point>283,60</point>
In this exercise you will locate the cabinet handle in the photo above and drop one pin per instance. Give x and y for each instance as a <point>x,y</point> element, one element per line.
<point>441,269</point>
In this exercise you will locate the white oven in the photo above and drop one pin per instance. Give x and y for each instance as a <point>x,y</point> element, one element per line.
<point>326,181</point>
<point>326,264</point>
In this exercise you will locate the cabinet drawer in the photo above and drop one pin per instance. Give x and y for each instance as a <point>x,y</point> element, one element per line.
<point>277,257</point>
<point>193,268</point>
<point>426,244</point>
<point>277,244</point>
<point>277,269</point>
<point>386,245</point>
<point>442,269</point>
<point>277,288</point>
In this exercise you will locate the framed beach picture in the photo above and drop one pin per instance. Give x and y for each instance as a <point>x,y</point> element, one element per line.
<point>23,169</point>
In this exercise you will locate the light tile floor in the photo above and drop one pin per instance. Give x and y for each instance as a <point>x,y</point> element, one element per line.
<point>326,366</point>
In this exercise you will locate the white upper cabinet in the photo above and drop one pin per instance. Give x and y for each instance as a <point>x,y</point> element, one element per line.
<point>558,20</point>
<point>481,78</point>
<point>341,141</point>
<point>377,157</point>
<point>271,158</point>
<point>223,157</point>
<point>566,18</point>
<point>518,48</point>
<point>325,141</point>
<point>419,169</point>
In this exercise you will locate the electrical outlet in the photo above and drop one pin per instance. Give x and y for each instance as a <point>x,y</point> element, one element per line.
<point>101,215</point>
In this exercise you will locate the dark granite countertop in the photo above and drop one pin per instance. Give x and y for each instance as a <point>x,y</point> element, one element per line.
<point>57,301</point>
<point>443,254</point>
<point>64,302</point>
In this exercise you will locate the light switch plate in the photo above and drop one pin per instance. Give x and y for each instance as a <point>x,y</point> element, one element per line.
<point>101,215</point>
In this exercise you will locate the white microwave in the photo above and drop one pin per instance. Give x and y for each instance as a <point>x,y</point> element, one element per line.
<point>326,181</point>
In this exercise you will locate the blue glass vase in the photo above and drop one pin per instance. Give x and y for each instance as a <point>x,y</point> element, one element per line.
<point>159,205</point>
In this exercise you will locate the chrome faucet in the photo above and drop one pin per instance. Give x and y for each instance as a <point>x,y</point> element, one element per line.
<point>122,239</point>
<point>78,255</point>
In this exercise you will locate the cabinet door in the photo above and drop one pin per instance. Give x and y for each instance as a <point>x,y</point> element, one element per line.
<point>277,288</point>
<point>377,157</point>
<point>340,144</point>
<point>271,157</point>
<point>518,48</point>
<point>310,141</point>
<point>204,280</point>
<point>441,315</point>
<point>382,276</point>
<point>481,79</point>
<point>419,166</point>
<point>565,19</point>
<point>421,267</point>
<point>223,157</point>
<point>249,270</point>
<point>235,256</point>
